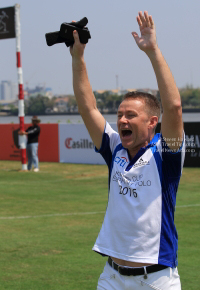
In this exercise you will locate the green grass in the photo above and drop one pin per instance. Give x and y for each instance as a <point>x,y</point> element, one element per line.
<point>47,250</point>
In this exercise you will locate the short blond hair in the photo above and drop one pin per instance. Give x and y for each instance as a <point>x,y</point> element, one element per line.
<point>153,106</point>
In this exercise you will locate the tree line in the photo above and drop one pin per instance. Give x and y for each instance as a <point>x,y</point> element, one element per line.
<point>106,102</point>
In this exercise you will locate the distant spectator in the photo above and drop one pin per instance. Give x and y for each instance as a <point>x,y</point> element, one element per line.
<point>32,133</point>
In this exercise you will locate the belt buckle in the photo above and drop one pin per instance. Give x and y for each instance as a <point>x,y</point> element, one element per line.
<point>145,273</point>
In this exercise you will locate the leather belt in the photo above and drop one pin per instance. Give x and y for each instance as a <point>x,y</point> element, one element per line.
<point>135,271</point>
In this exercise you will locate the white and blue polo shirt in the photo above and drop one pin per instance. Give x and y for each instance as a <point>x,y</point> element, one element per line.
<point>139,222</point>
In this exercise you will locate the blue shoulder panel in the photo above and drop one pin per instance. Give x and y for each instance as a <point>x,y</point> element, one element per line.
<point>169,168</point>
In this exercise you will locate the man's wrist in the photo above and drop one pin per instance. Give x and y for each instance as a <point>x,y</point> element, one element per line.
<point>78,63</point>
<point>78,60</point>
<point>153,53</point>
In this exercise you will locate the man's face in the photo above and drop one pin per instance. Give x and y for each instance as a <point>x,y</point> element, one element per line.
<point>133,124</point>
<point>34,123</point>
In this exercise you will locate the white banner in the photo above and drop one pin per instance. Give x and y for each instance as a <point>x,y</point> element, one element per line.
<point>76,145</point>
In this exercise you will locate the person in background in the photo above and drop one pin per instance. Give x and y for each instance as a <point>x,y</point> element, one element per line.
<point>32,133</point>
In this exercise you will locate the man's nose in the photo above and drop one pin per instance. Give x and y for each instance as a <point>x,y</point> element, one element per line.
<point>123,119</point>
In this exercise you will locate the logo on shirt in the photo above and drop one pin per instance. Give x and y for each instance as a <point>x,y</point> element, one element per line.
<point>121,161</point>
<point>141,162</point>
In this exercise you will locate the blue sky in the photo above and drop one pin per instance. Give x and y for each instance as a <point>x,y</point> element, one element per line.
<point>111,50</point>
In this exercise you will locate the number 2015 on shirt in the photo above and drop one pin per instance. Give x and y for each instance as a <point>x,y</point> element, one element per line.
<point>127,190</point>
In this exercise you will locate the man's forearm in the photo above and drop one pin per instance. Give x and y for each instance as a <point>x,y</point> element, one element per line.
<point>172,124</point>
<point>82,88</point>
<point>169,92</point>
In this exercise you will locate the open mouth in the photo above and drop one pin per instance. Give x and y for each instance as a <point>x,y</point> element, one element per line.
<point>126,133</point>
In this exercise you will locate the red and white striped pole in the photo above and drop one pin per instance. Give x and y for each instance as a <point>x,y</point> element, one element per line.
<point>22,138</point>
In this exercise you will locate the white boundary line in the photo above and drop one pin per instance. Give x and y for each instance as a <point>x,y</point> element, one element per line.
<point>51,215</point>
<point>188,205</point>
<point>75,213</point>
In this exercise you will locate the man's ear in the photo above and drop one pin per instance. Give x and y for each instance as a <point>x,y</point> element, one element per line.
<point>153,122</point>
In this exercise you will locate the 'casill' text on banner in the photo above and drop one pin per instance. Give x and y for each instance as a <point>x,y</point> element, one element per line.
<point>7,22</point>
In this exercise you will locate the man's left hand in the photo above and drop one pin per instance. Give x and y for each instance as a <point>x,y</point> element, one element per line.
<point>147,42</point>
<point>22,133</point>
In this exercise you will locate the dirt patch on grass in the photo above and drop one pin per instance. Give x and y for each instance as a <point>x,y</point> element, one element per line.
<point>52,252</point>
<point>86,175</point>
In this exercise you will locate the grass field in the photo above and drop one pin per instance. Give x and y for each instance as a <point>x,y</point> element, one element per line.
<point>49,222</point>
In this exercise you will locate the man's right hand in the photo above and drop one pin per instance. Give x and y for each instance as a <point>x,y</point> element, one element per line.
<point>77,50</point>
<point>85,99</point>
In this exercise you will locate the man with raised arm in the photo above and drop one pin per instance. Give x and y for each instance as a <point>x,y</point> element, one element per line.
<point>138,233</point>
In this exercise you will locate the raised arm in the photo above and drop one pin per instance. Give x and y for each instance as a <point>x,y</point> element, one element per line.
<point>171,124</point>
<point>85,98</point>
